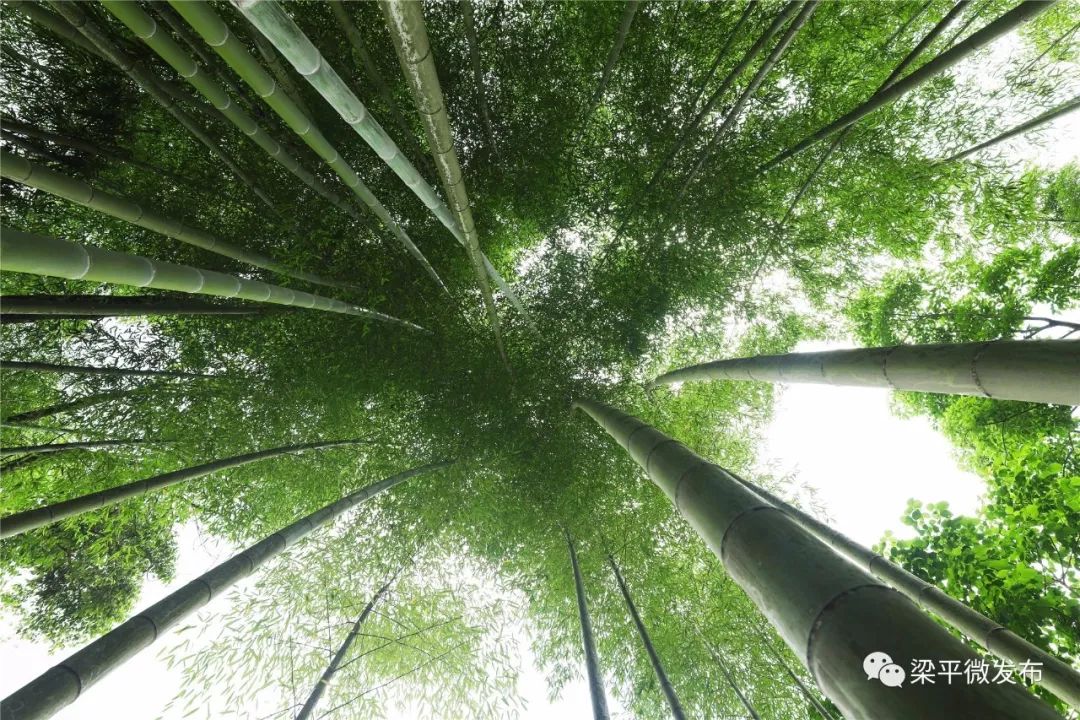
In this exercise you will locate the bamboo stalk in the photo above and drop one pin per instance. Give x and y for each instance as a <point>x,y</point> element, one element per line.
<point>146,29</point>
<point>88,370</point>
<point>63,447</point>
<point>64,683</point>
<point>1025,11</point>
<point>831,613</point>
<point>55,24</point>
<point>1030,370</point>
<point>1061,110</point>
<point>711,72</point>
<point>19,523</point>
<point>336,662</point>
<point>630,8</point>
<point>38,176</point>
<point>592,663</point>
<point>718,658</point>
<point>1056,676</point>
<point>907,23</point>
<point>473,42</point>
<point>28,416</point>
<point>810,697</point>
<point>646,641</point>
<point>99,306</point>
<point>146,80</point>
<point>218,36</point>
<point>62,258</point>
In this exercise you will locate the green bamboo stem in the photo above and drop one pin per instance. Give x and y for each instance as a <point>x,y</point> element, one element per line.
<point>406,24</point>
<point>339,657</point>
<point>1056,676</point>
<point>29,416</point>
<point>907,23</point>
<point>55,24</point>
<point>831,613</point>
<point>730,678</point>
<point>758,78</point>
<point>1025,11</point>
<point>88,370</point>
<point>146,80</point>
<point>218,36</point>
<point>1061,110</point>
<point>64,683</point>
<point>371,69</point>
<point>592,663</point>
<point>64,447</point>
<point>92,148</point>
<point>908,59</point>
<point>99,306</point>
<point>146,29</point>
<point>731,37</point>
<point>38,176</point>
<point>1030,370</point>
<point>646,641</point>
<point>630,9</point>
<point>473,43</point>
<point>805,691</point>
<point>280,73</point>
<point>19,523</point>
<point>20,463</point>
<point>54,257</point>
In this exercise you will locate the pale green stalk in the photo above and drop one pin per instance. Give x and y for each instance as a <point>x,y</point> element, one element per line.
<point>54,257</point>
<point>64,683</point>
<point>217,35</point>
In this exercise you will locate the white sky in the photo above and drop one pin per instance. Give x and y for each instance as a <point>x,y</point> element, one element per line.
<point>863,461</point>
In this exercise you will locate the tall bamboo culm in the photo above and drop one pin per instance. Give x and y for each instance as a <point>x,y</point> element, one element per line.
<point>831,613</point>
<point>63,684</point>
<point>53,257</point>
<point>1056,676</point>
<point>592,662</point>
<point>1045,371</point>
<point>22,522</point>
<point>213,30</point>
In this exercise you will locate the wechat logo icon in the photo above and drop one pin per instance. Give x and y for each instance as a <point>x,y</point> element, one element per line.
<point>879,666</point>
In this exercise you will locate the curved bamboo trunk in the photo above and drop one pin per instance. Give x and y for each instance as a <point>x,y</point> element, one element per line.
<point>630,9</point>
<point>1012,19</point>
<point>217,34</point>
<point>911,57</point>
<point>718,658</point>
<point>1030,370</point>
<point>38,517</point>
<point>146,28</point>
<point>1063,109</point>
<point>1057,677</point>
<point>99,306</point>
<point>146,80</point>
<point>371,69</point>
<point>19,365</point>
<point>592,664</point>
<point>29,416</point>
<point>473,42</point>
<point>335,662</point>
<point>711,72</point>
<point>64,683</point>
<point>646,641</point>
<point>63,447</point>
<point>831,613</point>
<point>758,78</point>
<point>62,258</point>
<point>38,176</point>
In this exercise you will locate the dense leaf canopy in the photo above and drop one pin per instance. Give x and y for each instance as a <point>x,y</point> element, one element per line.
<point>623,276</point>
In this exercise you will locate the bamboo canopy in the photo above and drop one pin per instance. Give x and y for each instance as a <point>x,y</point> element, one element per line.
<point>38,517</point>
<point>64,683</point>
<point>218,36</point>
<point>1046,371</point>
<point>831,613</point>
<point>1056,676</point>
<point>54,257</point>
<point>38,176</point>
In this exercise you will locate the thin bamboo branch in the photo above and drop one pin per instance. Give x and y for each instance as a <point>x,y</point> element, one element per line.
<point>473,43</point>
<point>87,370</point>
<point>1061,110</point>
<point>96,306</point>
<point>29,416</point>
<point>711,72</point>
<point>64,447</point>
<point>630,8</point>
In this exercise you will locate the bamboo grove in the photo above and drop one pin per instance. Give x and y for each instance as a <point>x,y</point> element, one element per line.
<point>457,325</point>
